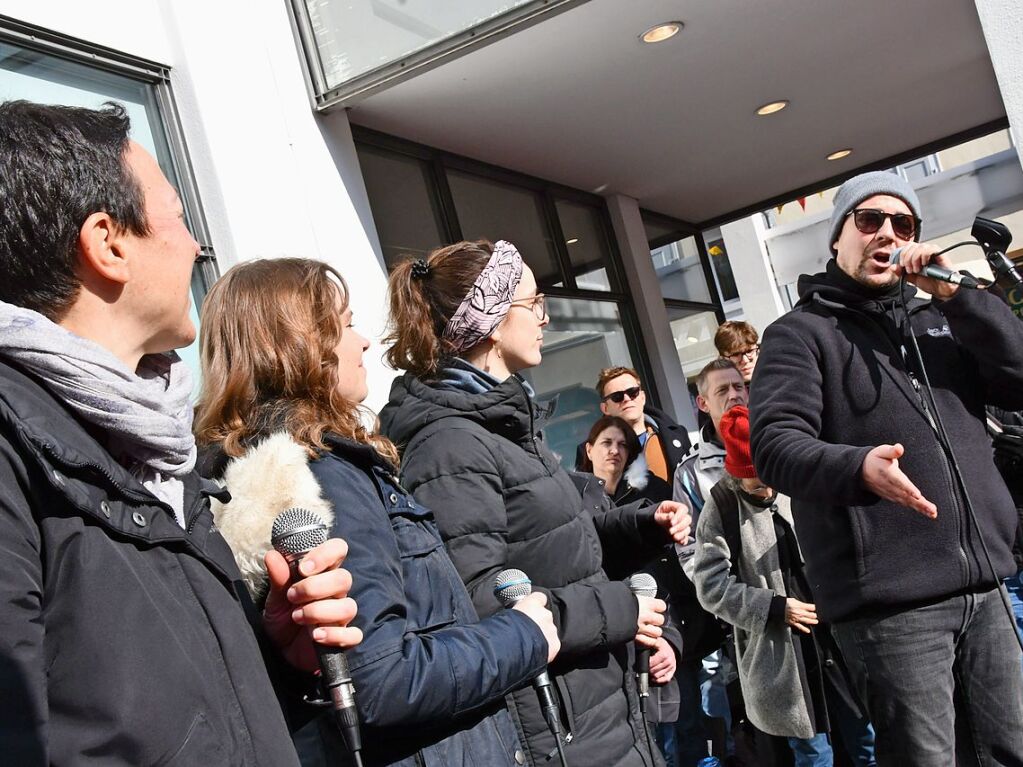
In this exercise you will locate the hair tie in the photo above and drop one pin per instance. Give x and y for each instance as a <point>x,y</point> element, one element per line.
<point>420,269</point>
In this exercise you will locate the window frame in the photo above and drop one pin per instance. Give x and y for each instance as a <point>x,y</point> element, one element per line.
<point>158,77</point>
<point>441,161</point>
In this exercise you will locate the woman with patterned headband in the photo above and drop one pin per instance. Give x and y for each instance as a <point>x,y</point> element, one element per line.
<point>464,322</point>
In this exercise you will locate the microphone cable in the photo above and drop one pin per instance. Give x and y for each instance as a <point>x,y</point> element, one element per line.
<point>946,446</point>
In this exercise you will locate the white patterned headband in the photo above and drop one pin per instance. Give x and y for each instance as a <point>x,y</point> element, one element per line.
<point>488,300</point>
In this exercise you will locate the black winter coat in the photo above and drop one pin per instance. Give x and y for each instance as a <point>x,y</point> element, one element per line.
<point>430,677</point>
<point>124,639</point>
<point>832,383</point>
<point>502,501</point>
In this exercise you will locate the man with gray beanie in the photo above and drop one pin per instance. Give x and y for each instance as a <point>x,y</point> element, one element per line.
<point>843,421</point>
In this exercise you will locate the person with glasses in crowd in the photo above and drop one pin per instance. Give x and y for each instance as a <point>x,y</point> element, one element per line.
<point>844,421</point>
<point>664,442</point>
<point>465,322</point>
<point>739,342</point>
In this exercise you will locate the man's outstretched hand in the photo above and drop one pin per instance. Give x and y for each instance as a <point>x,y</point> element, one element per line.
<point>882,475</point>
<point>315,608</point>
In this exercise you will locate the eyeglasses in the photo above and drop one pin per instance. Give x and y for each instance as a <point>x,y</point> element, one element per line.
<point>869,220</point>
<point>537,303</point>
<point>618,397</point>
<point>750,354</point>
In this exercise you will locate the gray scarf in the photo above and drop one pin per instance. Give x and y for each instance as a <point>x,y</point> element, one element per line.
<point>146,414</point>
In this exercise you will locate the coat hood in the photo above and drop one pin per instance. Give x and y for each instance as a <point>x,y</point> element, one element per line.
<point>835,287</point>
<point>507,409</point>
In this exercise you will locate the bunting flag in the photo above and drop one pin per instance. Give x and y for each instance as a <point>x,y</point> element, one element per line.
<point>714,250</point>
<point>779,208</point>
<point>802,203</point>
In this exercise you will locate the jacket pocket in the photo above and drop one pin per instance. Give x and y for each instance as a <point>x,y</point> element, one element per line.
<point>427,573</point>
<point>201,745</point>
<point>861,536</point>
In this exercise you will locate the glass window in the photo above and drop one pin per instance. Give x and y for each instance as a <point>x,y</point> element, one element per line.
<point>722,268</point>
<point>405,210</point>
<point>357,36</point>
<point>583,338</point>
<point>693,331</point>
<point>490,210</point>
<point>588,249</point>
<point>47,79</point>
<point>680,272</point>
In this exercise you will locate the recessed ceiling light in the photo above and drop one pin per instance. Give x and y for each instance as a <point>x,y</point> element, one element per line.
<point>573,241</point>
<point>661,32</point>
<point>692,339</point>
<point>839,154</point>
<point>772,107</point>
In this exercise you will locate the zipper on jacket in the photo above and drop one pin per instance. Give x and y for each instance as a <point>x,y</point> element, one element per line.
<point>62,460</point>
<point>946,470</point>
<point>532,426</point>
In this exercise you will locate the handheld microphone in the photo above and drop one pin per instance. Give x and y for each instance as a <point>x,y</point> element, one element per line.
<point>510,586</point>
<point>643,585</point>
<point>295,533</point>
<point>936,272</point>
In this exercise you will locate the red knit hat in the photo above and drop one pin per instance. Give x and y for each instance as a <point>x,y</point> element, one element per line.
<point>734,431</point>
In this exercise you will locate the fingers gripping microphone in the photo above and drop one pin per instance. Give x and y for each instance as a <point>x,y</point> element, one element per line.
<point>295,533</point>
<point>509,587</point>
<point>643,585</point>
<point>936,272</point>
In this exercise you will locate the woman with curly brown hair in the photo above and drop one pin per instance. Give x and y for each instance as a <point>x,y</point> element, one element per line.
<point>280,419</point>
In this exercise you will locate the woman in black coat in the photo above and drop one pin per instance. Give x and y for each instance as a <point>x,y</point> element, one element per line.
<point>464,322</point>
<point>283,379</point>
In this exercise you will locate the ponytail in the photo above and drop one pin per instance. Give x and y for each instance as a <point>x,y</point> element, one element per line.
<point>423,296</point>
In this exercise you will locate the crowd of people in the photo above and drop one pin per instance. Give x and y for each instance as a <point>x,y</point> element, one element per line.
<point>827,564</point>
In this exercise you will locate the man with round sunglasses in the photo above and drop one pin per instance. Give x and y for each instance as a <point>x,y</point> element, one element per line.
<point>844,423</point>
<point>664,442</point>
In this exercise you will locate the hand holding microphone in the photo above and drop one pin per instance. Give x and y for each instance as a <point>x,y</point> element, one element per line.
<point>303,556</point>
<point>929,271</point>
<point>651,618</point>
<point>534,606</point>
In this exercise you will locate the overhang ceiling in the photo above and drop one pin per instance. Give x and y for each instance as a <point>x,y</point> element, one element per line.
<point>577,99</point>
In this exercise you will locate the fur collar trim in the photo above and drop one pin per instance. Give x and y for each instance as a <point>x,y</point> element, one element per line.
<point>637,475</point>
<point>272,476</point>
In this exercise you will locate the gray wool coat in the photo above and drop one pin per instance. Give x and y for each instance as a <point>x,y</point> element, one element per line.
<point>769,670</point>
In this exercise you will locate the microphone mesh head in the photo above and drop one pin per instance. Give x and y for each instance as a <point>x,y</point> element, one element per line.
<point>643,585</point>
<point>510,586</point>
<point>296,531</point>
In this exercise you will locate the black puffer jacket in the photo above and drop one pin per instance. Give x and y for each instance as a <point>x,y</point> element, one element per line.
<point>124,639</point>
<point>833,382</point>
<point>501,500</point>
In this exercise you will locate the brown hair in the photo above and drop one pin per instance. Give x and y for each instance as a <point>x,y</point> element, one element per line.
<point>721,363</point>
<point>632,445</point>
<point>608,374</point>
<point>421,306</point>
<point>734,336</point>
<point>267,341</point>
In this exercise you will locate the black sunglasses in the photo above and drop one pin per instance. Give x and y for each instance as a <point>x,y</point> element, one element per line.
<point>869,220</point>
<point>618,397</point>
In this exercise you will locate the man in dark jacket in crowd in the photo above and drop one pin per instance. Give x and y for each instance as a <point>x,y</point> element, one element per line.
<point>125,634</point>
<point>844,423</point>
<point>664,442</point>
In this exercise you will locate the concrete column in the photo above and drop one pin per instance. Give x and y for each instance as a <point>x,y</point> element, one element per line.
<point>751,267</point>
<point>645,291</point>
<point>1002,23</point>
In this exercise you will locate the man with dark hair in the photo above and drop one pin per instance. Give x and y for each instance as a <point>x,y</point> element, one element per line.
<point>664,442</point>
<point>125,635</point>
<point>848,402</point>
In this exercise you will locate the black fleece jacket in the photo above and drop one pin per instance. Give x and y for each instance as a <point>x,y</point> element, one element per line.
<point>836,377</point>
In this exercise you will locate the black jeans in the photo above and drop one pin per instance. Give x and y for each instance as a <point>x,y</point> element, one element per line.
<point>942,683</point>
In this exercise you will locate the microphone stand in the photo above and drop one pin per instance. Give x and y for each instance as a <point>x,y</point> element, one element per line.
<point>994,239</point>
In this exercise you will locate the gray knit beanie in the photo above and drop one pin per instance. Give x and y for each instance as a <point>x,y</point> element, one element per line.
<point>866,185</point>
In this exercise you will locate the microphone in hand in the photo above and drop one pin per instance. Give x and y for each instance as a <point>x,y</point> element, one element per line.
<point>939,273</point>
<point>643,585</point>
<point>295,533</point>
<point>510,588</point>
